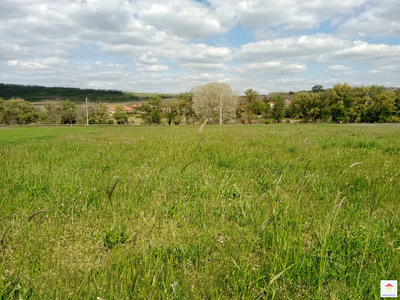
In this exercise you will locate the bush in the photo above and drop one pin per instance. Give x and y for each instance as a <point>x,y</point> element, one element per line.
<point>394,119</point>
<point>120,117</point>
<point>18,111</point>
<point>111,121</point>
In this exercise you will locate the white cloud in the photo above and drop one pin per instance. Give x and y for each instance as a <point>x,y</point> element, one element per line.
<point>171,46</point>
<point>12,63</point>
<point>155,68</point>
<point>339,68</point>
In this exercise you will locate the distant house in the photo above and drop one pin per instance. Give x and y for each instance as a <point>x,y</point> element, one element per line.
<point>392,89</point>
<point>111,110</point>
<point>128,109</point>
<point>271,104</point>
<point>287,102</point>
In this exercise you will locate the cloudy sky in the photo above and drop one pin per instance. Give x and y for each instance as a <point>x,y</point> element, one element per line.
<point>170,47</point>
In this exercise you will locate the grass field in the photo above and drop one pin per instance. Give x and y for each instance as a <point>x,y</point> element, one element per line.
<point>285,211</point>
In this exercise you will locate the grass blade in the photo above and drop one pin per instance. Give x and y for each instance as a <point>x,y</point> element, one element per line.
<point>280,274</point>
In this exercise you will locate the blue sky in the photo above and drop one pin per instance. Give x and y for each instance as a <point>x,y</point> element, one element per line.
<point>171,47</point>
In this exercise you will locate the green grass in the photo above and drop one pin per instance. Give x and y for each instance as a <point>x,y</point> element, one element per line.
<point>263,212</point>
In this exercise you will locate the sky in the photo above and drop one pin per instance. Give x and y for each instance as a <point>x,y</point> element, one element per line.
<point>173,46</point>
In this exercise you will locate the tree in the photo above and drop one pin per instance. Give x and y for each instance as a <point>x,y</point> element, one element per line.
<point>397,101</point>
<point>306,106</point>
<point>207,99</point>
<point>252,107</point>
<point>54,111</point>
<point>175,111</point>
<point>278,111</point>
<point>101,113</point>
<point>155,100</point>
<point>68,111</point>
<point>362,100</point>
<point>188,96</point>
<point>18,111</point>
<point>188,111</point>
<point>317,88</point>
<point>342,103</point>
<point>382,106</point>
<point>120,116</point>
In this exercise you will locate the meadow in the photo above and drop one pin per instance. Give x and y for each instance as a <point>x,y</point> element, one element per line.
<point>282,211</point>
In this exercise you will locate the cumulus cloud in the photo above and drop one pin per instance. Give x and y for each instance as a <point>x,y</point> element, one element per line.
<point>339,68</point>
<point>170,47</point>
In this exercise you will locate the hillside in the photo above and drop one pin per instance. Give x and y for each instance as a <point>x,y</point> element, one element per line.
<point>34,93</point>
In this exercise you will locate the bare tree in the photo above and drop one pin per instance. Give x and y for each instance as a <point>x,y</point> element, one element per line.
<point>207,100</point>
<point>54,111</point>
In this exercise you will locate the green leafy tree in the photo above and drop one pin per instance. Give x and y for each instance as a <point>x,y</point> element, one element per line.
<point>342,109</point>
<point>186,100</point>
<point>317,88</point>
<point>381,108</point>
<point>155,117</point>
<point>397,101</point>
<point>101,113</point>
<point>188,96</point>
<point>252,107</point>
<point>175,111</point>
<point>376,90</point>
<point>306,106</point>
<point>155,101</point>
<point>120,116</point>
<point>18,111</point>
<point>68,111</point>
<point>278,111</point>
<point>361,101</point>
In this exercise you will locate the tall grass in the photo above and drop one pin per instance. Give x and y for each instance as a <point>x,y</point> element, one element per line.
<point>249,212</point>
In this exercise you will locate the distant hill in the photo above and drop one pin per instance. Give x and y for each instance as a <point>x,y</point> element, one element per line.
<point>35,93</point>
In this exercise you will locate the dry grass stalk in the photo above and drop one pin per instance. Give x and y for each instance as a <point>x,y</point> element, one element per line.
<point>4,234</point>
<point>111,191</point>
<point>187,166</point>
<point>357,163</point>
<point>305,170</point>
<point>202,126</point>
<point>134,280</point>
<point>155,282</point>
<point>198,144</point>
<point>36,213</point>
<point>260,199</point>
<point>137,185</point>
<point>301,148</point>
<point>276,189</point>
<point>6,217</point>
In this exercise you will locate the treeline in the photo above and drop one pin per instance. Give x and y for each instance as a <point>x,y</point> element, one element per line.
<point>34,93</point>
<point>174,111</point>
<point>341,104</point>
<point>19,112</point>
<point>218,103</point>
